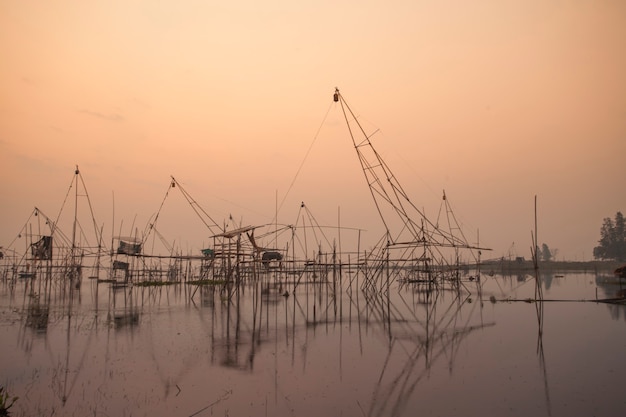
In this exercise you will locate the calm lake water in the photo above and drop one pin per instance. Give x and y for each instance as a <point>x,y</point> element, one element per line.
<point>326,349</point>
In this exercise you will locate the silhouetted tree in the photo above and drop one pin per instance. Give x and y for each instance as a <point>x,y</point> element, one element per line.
<point>545,253</point>
<point>612,239</point>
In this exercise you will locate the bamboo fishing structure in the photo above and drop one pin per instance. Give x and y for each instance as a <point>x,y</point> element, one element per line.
<point>414,249</point>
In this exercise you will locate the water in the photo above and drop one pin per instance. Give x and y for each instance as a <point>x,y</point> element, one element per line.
<point>324,350</point>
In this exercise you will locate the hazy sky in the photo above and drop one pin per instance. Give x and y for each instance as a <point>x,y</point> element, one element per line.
<point>493,101</point>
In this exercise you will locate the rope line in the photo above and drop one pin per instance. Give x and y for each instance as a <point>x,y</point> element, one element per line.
<point>293,181</point>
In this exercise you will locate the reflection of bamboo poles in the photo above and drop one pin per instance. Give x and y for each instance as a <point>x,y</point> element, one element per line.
<point>287,324</point>
<point>442,339</point>
<point>38,318</point>
<point>542,358</point>
<point>393,400</point>
<point>67,390</point>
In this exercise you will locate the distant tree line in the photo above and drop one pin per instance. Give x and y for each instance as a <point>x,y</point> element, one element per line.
<point>545,253</point>
<point>612,239</point>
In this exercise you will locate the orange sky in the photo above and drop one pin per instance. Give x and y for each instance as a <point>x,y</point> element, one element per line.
<point>493,101</point>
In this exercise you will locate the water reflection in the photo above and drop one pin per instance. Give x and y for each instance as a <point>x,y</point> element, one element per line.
<point>418,344</point>
<point>613,289</point>
<point>541,280</point>
<point>276,346</point>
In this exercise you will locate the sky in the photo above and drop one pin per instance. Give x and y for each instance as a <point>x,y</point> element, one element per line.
<point>495,102</point>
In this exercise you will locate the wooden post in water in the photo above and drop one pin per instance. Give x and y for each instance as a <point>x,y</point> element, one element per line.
<point>538,288</point>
